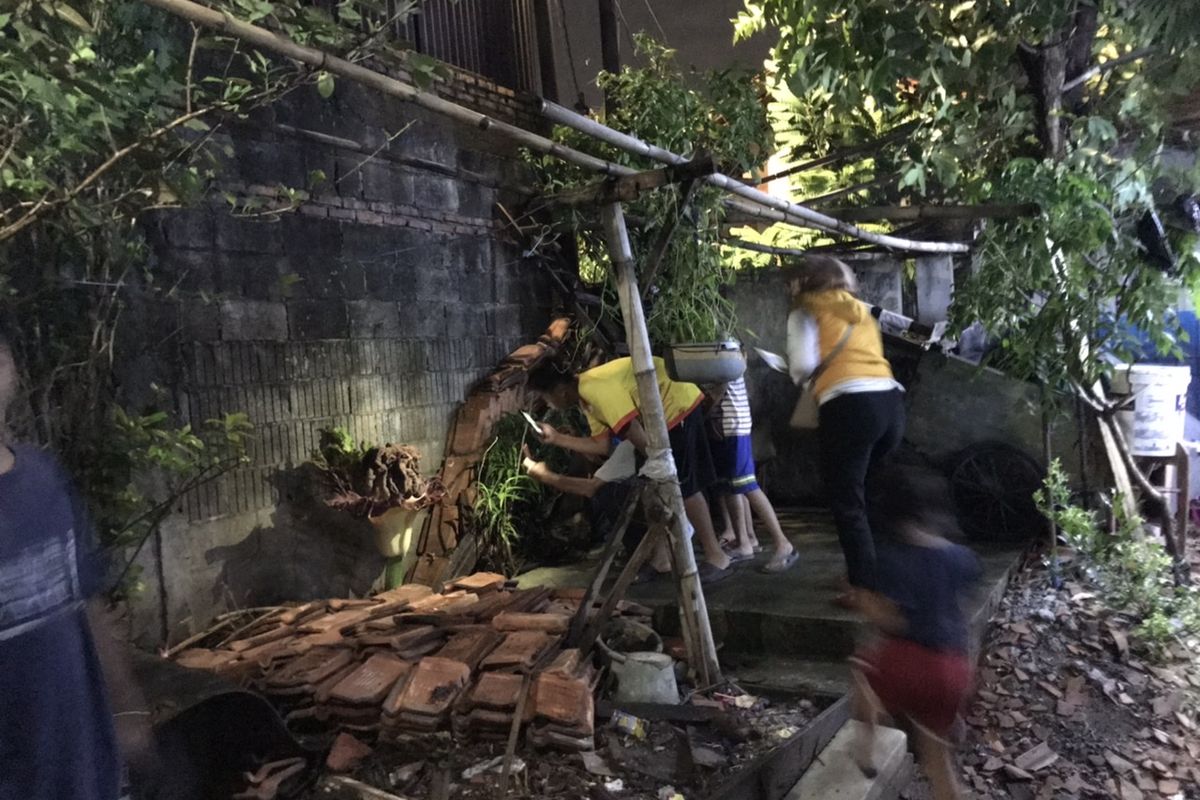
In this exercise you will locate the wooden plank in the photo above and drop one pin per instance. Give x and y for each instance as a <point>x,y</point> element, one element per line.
<point>772,775</point>
<point>639,557</point>
<point>611,546</point>
<point>658,712</point>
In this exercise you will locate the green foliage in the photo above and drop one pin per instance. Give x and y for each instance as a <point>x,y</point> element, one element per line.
<point>951,103</point>
<point>721,113</point>
<point>849,72</point>
<point>1131,570</point>
<point>337,450</point>
<point>1062,288</point>
<point>504,496</point>
<point>147,465</point>
<point>508,516</point>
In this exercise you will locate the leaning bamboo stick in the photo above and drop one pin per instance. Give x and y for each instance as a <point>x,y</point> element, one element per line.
<point>662,496</point>
<point>748,199</point>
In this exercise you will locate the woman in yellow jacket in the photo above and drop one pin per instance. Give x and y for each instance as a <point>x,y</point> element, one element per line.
<point>861,406</point>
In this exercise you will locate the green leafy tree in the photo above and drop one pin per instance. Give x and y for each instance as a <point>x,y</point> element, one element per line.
<point>719,113</point>
<point>1066,106</point>
<point>110,111</point>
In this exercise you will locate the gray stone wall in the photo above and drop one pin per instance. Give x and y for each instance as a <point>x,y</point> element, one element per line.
<point>374,305</point>
<point>951,403</point>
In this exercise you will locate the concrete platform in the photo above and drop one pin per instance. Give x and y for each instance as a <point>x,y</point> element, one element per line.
<point>787,617</point>
<point>835,776</point>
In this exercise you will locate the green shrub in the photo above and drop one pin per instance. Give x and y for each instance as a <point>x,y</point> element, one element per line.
<point>1131,570</point>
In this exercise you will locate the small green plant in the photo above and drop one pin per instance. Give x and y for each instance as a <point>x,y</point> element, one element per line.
<point>509,516</point>
<point>145,466</point>
<point>503,495</point>
<point>1132,571</point>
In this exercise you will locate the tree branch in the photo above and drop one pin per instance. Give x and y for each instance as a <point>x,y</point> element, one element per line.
<point>1107,66</point>
<point>843,154</point>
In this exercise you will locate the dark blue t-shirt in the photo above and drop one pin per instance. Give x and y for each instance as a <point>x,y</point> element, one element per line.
<point>925,583</point>
<point>56,729</point>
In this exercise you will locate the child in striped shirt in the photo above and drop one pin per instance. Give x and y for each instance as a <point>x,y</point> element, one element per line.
<point>738,487</point>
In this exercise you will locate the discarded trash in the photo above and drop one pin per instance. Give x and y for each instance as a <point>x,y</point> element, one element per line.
<point>402,775</point>
<point>630,725</point>
<point>743,701</point>
<point>617,785</point>
<point>786,732</point>
<point>669,793</point>
<point>492,765</point>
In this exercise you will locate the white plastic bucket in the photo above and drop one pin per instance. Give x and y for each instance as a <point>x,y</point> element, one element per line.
<point>1153,421</point>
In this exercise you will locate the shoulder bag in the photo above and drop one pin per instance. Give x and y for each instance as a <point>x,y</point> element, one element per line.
<point>806,415</point>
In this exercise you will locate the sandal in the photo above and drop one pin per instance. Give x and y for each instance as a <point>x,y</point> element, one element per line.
<point>710,574</point>
<point>648,574</point>
<point>775,566</point>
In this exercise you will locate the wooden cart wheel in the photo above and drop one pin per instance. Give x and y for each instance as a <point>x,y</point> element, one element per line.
<point>993,485</point>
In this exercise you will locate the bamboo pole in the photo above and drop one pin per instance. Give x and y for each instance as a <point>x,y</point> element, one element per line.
<point>748,199</point>
<point>662,494</point>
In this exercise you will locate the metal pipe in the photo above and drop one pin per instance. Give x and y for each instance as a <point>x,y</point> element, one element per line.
<point>746,198</point>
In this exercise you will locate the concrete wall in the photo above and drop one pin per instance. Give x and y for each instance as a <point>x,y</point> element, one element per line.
<point>374,306</point>
<point>950,403</point>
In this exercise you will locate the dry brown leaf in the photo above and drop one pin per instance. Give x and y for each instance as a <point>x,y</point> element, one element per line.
<point>1053,690</point>
<point>1121,641</point>
<point>1015,773</point>
<point>1036,758</point>
<point>1168,704</point>
<point>1119,764</point>
<point>1129,792</point>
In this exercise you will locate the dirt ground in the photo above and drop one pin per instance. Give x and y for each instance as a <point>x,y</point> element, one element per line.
<point>1065,708</point>
<point>693,759</point>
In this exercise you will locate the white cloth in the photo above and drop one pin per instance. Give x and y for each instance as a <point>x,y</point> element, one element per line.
<point>804,356</point>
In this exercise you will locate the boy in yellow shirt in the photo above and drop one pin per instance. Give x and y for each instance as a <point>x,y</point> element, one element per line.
<point>607,394</point>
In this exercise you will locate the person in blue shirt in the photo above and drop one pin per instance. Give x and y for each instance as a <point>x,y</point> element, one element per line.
<point>62,670</point>
<point>919,669</point>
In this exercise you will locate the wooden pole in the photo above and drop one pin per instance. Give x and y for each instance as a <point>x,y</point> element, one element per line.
<point>662,494</point>
<point>547,64</point>
<point>610,46</point>
<point>749,200</point>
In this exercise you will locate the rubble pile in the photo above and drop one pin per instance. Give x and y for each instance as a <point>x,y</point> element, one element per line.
<point>410,661</point>
<point>1067,708</point>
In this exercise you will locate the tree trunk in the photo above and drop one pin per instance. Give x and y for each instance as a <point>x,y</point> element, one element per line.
<point>1049,66</point>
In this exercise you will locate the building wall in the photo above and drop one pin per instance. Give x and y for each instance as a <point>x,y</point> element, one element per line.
<point>950,403</point>
<point>375,305</point>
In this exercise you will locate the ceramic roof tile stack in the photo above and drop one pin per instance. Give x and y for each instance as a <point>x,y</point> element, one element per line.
<point>411,661</point>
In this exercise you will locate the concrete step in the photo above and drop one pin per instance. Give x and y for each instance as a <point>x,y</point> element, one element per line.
<point>835,776</point>
<point>787,675</point>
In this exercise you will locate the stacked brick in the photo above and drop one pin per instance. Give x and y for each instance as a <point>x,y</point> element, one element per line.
<point>502,392</point>
<point>409,662</point>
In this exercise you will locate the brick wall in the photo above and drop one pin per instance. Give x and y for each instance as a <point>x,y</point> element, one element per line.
<point>374,305</point>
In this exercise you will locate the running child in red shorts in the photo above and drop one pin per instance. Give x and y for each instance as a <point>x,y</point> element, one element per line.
<point>919,669</point>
